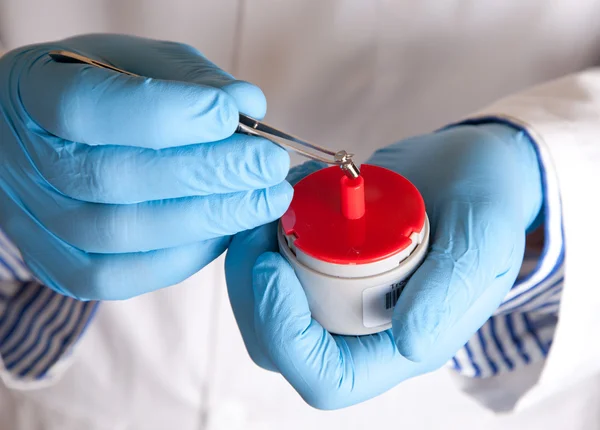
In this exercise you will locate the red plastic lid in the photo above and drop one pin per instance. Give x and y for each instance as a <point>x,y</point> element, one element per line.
<point>394,209</point>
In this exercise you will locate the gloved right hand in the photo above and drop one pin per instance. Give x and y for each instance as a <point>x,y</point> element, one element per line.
<point>482,189</point>
<point>112,186</point>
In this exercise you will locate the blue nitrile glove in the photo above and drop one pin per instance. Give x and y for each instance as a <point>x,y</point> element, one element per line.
<point>482,189</point>
<point>112,186</point>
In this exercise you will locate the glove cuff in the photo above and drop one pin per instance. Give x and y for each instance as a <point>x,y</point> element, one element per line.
<point>12,266</point>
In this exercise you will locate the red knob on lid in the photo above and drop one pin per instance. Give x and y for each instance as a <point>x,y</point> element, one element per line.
<point>393,210</point>
<point>352,192</point>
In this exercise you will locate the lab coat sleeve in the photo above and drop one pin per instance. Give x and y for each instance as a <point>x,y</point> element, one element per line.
<point>562,118</point>
<point>38,327</point>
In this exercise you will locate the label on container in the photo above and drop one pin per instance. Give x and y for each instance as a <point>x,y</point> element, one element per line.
<point>379,302</point>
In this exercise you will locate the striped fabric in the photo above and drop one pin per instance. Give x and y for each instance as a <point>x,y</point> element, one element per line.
<point>38,327</point>
<point>516,337</point>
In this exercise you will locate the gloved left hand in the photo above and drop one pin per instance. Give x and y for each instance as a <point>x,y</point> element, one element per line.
<point>482,190</point>
<point>112,186</point>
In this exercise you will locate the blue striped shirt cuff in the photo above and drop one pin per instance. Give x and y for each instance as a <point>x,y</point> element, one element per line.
<point>521,330</point>
<point>38,327</point>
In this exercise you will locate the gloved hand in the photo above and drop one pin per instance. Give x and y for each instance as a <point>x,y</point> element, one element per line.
<point>112,186</point>
<point>482,190</point>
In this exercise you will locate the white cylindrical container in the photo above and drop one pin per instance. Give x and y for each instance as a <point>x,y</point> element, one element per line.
<point>354,245</point>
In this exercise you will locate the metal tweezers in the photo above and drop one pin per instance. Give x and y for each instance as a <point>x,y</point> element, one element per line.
<point>247,125</point>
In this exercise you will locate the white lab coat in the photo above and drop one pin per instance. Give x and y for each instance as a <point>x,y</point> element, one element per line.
<point>355,74</point>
